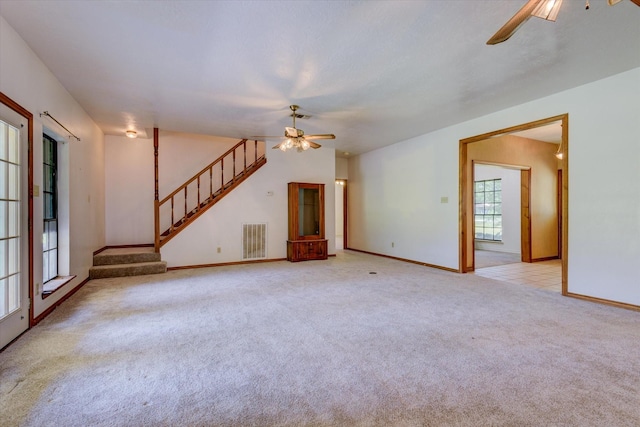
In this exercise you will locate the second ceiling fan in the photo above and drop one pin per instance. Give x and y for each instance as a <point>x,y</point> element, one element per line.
<point>295,138</point>
<point>545,9</point>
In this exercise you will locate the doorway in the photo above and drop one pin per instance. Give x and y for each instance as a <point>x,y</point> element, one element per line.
<point>466,243</point>
<point>341,214</point>
<point>502,223</point>
<point>16,208</point>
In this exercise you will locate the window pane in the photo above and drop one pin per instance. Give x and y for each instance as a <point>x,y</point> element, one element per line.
<point>14,292</point>
<point>497,196</point>
<point>46,151</point>
<point>488,197</point>
<point>48,205</point>
<point>3,141</point>
<point>4,226</point>
<point>479,197</point>
<point>13,220</point>
<point>497,185</point>
<point>3,180</point>
<point>45,268</point>
<point>488,221</point>
<point>488,208</point>
<point>14,146</point>
<point>14,256</point>
<point>3,293</point>
<point>4,244</point>
<point>53,234</point>
<point>14,181</point>
<point>53,263</point>
<point>479,234</point>
<point>497,209</point>
<point>479,186</point>
<point>479,209</point>
<point>488,186</point>
<point>46,184</point>
<point>497,221</point>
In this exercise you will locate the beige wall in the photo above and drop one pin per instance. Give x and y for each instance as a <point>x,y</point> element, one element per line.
<point>539,156</point>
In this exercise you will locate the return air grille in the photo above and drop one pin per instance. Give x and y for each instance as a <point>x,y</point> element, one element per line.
<point>254,241</point>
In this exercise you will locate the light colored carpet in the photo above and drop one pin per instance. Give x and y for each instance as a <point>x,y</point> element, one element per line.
<point>323,343</point>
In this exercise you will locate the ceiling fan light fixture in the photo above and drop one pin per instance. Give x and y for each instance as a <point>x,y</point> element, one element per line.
<point>131,134</point>
<point>559,154</point>
<point>612,2</point>
<point>547,9</point>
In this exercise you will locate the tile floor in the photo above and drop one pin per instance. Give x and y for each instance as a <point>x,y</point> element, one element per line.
<point>545,275</point>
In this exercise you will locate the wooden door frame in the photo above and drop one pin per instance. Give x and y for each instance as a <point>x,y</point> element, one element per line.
<point>344,214</point>
<point>466,232</point>
<point>11,104</point>
<point>525,201</point>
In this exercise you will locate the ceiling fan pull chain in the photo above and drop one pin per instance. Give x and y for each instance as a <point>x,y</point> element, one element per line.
<point>586,6</point>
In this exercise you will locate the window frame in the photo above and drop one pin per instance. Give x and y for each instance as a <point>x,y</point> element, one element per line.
<point>488,202</point>
<point>49,221</point>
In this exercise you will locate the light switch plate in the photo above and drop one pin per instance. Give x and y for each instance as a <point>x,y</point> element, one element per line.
<point>36,191</point>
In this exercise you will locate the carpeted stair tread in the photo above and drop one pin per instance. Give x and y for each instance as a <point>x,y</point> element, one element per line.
<point>125,258</point>
<point>122,270</point>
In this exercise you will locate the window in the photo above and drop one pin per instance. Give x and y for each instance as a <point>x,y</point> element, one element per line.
<point>487,199</point>
<point>50,211</point>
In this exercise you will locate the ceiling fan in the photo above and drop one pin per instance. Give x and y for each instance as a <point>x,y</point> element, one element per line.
<point>295,138</point>
<point>545,9</point>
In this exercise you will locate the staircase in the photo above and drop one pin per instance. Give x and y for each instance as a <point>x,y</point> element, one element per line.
<point>206,188</point>
<point>121,262</point>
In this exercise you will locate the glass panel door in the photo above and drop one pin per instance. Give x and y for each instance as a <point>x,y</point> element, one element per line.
<point>13,231</point>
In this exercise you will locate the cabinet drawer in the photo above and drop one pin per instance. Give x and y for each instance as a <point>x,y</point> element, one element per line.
<point>303,250</point>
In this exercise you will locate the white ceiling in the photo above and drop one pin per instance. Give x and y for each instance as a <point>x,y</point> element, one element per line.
<point>372,73</point>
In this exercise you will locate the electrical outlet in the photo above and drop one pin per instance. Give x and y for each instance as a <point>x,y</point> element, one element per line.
<point>444,200</point>
<point>219,249</point>
<point>393,245</point>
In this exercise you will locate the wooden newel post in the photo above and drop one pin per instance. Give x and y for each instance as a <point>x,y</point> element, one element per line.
<point>156,206</point>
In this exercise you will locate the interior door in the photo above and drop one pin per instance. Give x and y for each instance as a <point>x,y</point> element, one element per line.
<point>14,277</point>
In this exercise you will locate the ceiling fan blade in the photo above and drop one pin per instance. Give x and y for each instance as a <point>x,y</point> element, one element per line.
<point>636,2</point>
<point>313,144</point>
<point>324,136</point>
<point>515,22</point>
<point>277,146</point>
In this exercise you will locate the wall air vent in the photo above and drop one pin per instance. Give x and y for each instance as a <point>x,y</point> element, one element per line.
<point>254,241</point>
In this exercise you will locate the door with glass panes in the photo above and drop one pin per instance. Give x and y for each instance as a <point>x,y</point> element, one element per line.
<point>14,277</point>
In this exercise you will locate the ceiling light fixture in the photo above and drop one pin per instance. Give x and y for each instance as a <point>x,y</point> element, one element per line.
<point>300,143</point>
<point>559,153</point>
<point>548,10</point>
<point>131,134</point>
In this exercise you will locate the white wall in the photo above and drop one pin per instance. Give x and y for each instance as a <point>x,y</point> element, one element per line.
<point>26,80</point>
<point>395,192</point>
<point>129,176</point>
<point>342,168</point>
<point>510,207</point>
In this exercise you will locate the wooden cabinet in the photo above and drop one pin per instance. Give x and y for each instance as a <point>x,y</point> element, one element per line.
<point>306,222</point>
<point>303,250</point>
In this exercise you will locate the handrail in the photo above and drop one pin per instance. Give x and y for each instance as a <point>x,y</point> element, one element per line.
<point>218,160</point>
<point>190,213</point>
